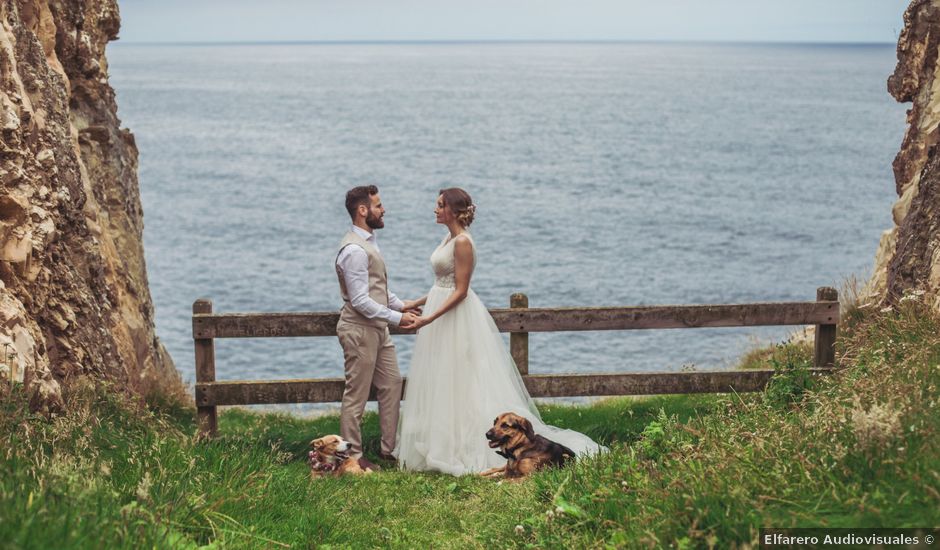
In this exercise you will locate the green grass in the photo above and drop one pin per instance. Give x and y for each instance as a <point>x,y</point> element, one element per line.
<point>785,354</point>
<point>855,449</point>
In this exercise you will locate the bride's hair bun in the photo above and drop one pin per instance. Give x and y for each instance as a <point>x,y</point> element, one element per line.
<point>460,204</point>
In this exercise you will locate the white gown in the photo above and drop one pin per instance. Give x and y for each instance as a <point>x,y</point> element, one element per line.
<point>461,378</point>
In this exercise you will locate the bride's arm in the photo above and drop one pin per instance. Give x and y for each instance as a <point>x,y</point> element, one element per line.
<point>422,300</point>
<point>414,304</point>
<point>463,270</point>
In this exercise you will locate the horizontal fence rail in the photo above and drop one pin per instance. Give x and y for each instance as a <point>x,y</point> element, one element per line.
<point>518,320</point>
<point>274,325</point>
<point>327,390</point>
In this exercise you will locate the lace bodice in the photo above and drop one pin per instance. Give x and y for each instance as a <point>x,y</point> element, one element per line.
<point>442,261</point>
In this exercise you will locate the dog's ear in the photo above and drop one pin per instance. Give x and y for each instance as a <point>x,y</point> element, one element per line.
<point>316,444</point>
<point>526,427</point>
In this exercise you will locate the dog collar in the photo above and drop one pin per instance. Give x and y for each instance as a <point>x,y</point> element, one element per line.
<point>317,464</point>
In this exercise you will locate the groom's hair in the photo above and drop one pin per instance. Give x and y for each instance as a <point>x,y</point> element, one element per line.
<point>359,195</point>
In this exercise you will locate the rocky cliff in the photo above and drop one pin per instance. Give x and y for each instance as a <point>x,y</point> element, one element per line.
<point>74,298</point>
<point>908,258</point>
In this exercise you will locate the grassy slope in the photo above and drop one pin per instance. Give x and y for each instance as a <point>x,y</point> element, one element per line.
<point>684,471</point>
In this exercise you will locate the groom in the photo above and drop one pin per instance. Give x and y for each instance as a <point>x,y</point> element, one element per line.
<point>367,310</point>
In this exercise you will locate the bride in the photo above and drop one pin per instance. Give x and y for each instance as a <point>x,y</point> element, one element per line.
<point>462,376</point>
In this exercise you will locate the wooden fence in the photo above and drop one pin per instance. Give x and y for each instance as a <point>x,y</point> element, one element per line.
<point>519,320</point>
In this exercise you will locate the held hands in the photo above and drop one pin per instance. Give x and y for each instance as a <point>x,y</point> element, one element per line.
<point>411,306</point>
<point>420,322</point>
<point>410,321</point>
<point>407,320</point>
<point>411,315</point>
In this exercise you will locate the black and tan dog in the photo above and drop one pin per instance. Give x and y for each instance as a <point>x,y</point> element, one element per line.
<point>525,452</point>
<point>330,456</point>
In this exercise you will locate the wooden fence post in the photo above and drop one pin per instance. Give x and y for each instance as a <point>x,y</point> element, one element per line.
<point>826,334</point>
<point>206,419</point>
<point>519,341</point>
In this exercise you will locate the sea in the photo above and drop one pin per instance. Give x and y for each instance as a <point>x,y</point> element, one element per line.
<point>605,174</point>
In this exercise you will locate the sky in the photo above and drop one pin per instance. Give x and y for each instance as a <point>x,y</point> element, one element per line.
<point>429,20</point>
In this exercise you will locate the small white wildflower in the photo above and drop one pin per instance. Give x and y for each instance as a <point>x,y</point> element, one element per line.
<point>900,449</point>
<point>875,426</point>
<point>624,484</point>
<point>560,511</point>
<point>519,529</point>
<point>549,515</point>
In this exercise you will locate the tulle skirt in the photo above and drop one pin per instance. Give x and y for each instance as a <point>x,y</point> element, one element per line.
<point>461,378</point>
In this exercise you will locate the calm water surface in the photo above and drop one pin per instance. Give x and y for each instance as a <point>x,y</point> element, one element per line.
<point>605,174</point>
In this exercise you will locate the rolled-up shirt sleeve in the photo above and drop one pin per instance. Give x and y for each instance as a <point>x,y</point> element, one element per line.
<point>353,263</point>
<point>395,303</point>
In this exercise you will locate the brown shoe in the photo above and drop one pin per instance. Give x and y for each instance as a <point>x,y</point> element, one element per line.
<point>365,464</point>
<point>388,456</point>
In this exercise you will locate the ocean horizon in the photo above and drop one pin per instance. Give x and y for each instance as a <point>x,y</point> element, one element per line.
<point>121,43</point>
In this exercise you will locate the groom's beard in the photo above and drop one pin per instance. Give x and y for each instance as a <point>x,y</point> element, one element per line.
<point>374,222</point>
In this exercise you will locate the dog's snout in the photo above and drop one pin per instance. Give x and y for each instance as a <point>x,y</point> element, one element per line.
<point>489,434</point>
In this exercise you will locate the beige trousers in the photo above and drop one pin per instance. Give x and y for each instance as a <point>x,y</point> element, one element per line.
<point>370,361</point>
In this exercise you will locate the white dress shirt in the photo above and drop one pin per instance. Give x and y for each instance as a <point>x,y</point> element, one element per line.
<point>353,263</point>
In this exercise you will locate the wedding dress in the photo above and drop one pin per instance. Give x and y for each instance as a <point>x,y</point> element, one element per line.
<point>461,378</point>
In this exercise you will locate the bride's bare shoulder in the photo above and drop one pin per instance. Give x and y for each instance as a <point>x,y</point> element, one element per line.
<point>464,240</point>
<point>463,245</point>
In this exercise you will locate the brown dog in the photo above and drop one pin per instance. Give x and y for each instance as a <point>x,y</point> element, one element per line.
<point>330,456</point>
<point>525,451</point>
